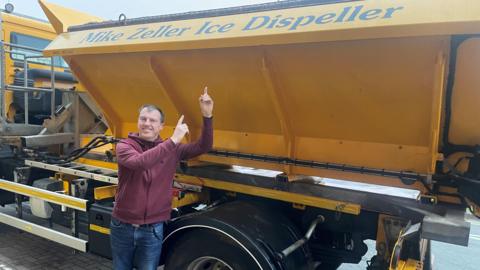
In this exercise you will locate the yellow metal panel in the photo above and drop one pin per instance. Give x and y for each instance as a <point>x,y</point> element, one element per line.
<point>245,141</point>
<point>342,21</point>
<point>32,27</point>
<point>66,186</point>
<point>13,23</point>
<point>464,125</point>
<point>366,91</point>
<point>44,195</point>
<point>187,199</point>
<point>172,94</point>
<point>367,103</point>
<point>99,229</point>
<point>86,138</point>
<point>28,23</point>
<point>408,265</point>
<point>277,96</point>
<point>61,18</point>
<point>101,193</point>
<point>378,155</point>
<point>110,116</point>
<point>439,79</point>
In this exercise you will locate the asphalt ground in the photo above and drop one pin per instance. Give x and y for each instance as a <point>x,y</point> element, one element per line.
<point>24,251</point>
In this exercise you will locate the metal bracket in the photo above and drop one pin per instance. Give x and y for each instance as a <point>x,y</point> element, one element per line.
<point>44,140</point>
<point>56,123</point>
<point>20,176</point>
<point>450,228</point>
<point>12,129</point>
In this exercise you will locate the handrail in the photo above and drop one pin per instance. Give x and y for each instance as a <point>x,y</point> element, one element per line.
<point>26,89</point>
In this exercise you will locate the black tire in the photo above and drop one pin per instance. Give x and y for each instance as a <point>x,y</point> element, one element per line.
<point>194,246</point>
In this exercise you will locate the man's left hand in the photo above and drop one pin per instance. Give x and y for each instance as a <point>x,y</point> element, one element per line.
<point>206,103</point>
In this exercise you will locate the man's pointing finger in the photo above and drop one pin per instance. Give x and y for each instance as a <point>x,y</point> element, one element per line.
<point>180,121</point>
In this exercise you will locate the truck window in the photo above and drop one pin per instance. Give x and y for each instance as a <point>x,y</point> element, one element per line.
<point>33,42</point>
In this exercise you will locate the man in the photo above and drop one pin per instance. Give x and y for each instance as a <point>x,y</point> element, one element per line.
<point>146,167</point>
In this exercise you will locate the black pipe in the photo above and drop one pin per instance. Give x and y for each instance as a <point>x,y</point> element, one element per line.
<point>406,177</point>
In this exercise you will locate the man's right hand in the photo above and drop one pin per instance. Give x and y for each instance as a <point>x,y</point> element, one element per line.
<point>180,131</point>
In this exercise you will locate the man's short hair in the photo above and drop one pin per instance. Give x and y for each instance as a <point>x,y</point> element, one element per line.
<point>151,107</point>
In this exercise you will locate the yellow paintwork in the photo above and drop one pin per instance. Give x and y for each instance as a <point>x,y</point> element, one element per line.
<point>408,265</point>
<point>361,92</point>
<point>99,229</point>
<point>299,206</point>
<point>27,26</point>
<point>324,131</point>
<point>381,239</point>
<point>45,195</point>
<point>464,127</point>
<point>318,202</point>
<point>297,199</point>
<point>67,17</point>
<point>105,192</point>
<point>66,186</point>
<point>36,28</point>
<point>400,18</point>
<point>187,199</point>
<point>86,138</point>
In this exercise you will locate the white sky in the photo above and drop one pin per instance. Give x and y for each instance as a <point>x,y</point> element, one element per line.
<point>111,9</point>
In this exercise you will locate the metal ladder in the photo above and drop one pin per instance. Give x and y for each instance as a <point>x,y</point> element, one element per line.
<point>79,169</point>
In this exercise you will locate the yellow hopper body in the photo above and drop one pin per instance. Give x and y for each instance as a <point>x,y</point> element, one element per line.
<point>360,83</point>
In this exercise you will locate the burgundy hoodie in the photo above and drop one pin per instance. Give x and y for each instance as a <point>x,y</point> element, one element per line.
<point>145,174</point>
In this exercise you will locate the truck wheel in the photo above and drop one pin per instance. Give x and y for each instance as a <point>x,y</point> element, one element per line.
<point>202,249</point>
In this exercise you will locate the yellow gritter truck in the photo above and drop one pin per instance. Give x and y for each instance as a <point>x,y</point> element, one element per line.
<point>335,122</point>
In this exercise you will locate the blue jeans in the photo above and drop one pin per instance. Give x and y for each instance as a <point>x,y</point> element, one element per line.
<point>135,246</point>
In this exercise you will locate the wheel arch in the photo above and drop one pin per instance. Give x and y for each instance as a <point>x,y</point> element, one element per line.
<point>241,222</point>
<point>172,236</point>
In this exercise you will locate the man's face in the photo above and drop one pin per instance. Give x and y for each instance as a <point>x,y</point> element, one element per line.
<point>149,125</point>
